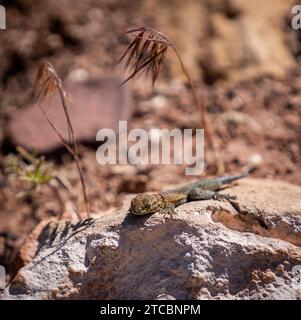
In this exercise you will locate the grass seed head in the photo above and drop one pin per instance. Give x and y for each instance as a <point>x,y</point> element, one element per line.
<point>146,53</point>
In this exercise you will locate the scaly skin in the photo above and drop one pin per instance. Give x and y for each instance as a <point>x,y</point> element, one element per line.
<point>166,201</point>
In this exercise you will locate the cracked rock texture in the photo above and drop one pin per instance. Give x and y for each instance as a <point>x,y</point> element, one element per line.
<point>247,249</point>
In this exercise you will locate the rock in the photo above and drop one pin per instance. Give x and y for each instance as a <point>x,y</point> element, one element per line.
<point>209,250</point>
<point>265,208</point>
<point>31,244</point>
<point>237,46</point>
<point>93,105</point>
<point>230,39</point>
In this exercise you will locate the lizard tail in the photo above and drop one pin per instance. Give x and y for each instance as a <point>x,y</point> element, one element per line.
<point>226,180</point>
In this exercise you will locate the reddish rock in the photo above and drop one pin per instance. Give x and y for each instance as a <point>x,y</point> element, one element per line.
<point>210,251</point>
<point>93,105</point>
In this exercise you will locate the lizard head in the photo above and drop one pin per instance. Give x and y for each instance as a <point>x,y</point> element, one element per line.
<point>146,203</point>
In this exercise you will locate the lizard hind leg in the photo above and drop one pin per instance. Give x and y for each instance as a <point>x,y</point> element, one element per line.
<point>202,194</point>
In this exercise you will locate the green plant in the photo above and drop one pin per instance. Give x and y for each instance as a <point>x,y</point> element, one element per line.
<point>48,82</point>
<point>35,171</point>
<point>29,167</point>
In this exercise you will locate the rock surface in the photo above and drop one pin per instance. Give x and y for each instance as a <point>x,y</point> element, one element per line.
<point>93,105</point>
<point>230,39</point>
<point>249,249</point>
<point>248,39</point>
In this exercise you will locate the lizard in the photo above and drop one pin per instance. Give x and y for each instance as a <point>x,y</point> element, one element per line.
<point>144,203</point>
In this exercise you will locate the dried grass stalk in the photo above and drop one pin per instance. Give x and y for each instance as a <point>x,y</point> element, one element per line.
<point>47,83</point>
<point>146,54</point>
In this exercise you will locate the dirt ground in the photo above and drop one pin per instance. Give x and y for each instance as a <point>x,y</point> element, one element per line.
<point>255,116</point>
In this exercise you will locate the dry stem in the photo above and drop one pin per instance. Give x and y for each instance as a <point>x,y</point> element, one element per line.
<point>49,82</point>
<point>146,53</point>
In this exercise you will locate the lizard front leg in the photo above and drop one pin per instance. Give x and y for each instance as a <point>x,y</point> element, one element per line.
<point>168,209</point>
<point>203,194</point>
